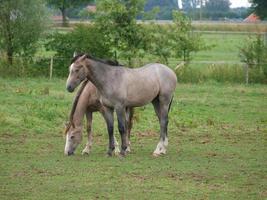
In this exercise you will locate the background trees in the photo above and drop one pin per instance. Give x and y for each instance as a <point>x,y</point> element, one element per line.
<point>21,25</point>
<point>165,8</point>
<point>217,8</point>
<point>260,8</point>
<point>64,5</point>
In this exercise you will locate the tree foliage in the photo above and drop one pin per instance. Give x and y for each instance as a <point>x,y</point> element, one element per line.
<point>217,8</point>
<point>254,54</point>
<point>83,39</point>
<point>260,8</point>
<point>116,19</point>
<point>165,7</point>
<point>21,25</point>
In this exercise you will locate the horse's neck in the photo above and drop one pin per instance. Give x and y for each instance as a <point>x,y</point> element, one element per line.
<point>80,111</point>
<point>99,74</point>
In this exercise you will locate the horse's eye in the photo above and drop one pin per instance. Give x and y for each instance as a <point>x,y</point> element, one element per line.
<point>72,137</point>
<point>76,70</point>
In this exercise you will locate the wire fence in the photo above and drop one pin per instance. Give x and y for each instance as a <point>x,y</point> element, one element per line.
<point>193,71</point>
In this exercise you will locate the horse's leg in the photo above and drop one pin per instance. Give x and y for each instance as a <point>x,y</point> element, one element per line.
<point>88,147</point>
<point>122,126</point>
<point>162,107</point>
<point>156,105</point>
<point>129,121</point>
<point>109,118</point>
<point>107,113</point>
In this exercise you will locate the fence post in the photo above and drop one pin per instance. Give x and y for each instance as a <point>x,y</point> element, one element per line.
<point>246,67</point>
<point>51,68</point>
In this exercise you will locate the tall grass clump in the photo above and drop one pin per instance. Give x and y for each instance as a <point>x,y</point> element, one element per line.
<point>25,67</point>
<point>223,73</point>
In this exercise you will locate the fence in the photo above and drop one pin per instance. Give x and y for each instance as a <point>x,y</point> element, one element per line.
<point>194,71</point>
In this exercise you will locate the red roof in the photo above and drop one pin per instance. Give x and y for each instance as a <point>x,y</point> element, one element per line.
<point>91,8</point>
<point>252,18</point>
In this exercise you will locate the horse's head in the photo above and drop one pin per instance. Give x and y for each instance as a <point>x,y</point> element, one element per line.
<point>77,72</point>
<point>73,138</point>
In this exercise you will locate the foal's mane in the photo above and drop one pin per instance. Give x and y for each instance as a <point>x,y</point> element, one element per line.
<point>74,105</point>
<point>105,61</point>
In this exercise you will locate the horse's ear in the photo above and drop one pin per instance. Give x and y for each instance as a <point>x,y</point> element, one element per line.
<point>84,57</point>
<point>75,54</point>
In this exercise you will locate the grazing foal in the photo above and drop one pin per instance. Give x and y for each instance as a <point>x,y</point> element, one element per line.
<point>85,103</point>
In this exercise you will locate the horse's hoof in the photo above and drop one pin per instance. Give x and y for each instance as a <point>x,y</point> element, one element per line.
<point>157,154</point>
<point>117,151</point>
<point>85,152</point>
<point>123,153</point>
<point>128,150</point>
<point>110,153</point>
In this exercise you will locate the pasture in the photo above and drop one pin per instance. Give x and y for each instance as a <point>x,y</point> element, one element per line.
<point>217,146</point>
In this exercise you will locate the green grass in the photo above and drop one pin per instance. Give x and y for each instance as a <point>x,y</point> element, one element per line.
<point>217,146</point>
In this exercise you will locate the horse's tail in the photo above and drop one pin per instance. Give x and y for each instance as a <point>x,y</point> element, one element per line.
<point>170,105</point>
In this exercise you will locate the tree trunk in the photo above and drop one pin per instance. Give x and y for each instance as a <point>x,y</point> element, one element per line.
<point>9,45</point>
<point>64,16</point>
<point>10,55</point>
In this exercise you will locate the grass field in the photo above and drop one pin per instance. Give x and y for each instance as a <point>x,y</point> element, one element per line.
<point>217,146</point>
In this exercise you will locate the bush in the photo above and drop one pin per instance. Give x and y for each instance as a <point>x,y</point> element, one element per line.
<point>84,38</point>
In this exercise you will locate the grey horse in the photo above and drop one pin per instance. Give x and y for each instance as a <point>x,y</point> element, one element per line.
<point>122,88</point>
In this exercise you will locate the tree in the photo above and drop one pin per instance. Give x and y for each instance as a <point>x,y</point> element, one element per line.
<point>21,25</point>
<point>166,7</point>
<point>83,38</point>
<point>260,8</point>
<point>184,40</point>
<point>217,8</point>
<point>63,5</point>
<point>116,19</point>
<point>159,41</point>
<point>254,54</point>
<point>193,7</point>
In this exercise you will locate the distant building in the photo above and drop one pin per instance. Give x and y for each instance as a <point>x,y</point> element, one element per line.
<point>91,8</point>
<point>252,18</point>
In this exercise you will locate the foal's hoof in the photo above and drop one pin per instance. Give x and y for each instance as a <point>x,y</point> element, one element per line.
<point>128,150</point>
<point>117,151</point>
<point>86,152</point>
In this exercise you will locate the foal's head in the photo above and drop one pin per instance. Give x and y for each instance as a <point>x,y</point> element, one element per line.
<point>77,72</point>
<point>73,138</point>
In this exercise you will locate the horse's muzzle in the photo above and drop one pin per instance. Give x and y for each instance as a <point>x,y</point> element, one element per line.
<point>70,89</point>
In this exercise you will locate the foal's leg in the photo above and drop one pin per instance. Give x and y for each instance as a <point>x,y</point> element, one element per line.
<point>88,147</point>
<point>162,107</point>
<point>129,122</point>
<point>122,126</point>
<point>109,118</point>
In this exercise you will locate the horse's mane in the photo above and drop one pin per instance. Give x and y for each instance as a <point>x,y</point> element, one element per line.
<point>74,105</point>
<point>105,61</point>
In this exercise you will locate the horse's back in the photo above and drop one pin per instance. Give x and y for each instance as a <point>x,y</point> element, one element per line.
<point>166,77</point>
<point>145,83</point>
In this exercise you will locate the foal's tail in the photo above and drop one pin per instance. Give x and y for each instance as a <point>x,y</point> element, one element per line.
<point>170,105</point>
